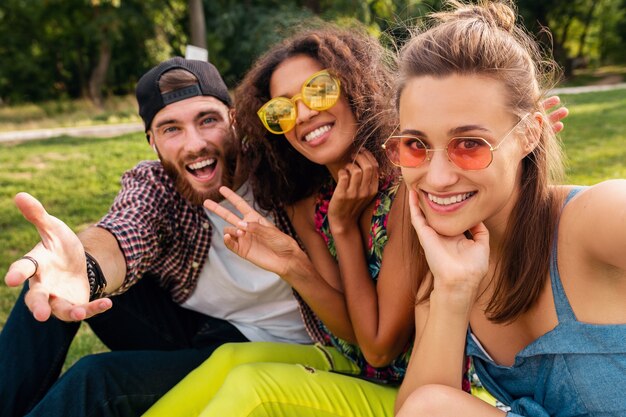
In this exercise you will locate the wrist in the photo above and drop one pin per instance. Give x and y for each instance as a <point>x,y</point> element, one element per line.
<point>338,227</point>
<point>299,267</point>
<point>458,301</point>
<point>97,281</point>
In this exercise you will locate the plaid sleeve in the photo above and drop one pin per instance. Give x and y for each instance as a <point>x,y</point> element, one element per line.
<point>135,221</point>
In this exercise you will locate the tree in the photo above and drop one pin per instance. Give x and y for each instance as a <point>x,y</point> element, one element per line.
<point>581,29</point>
<point>84,48</point>
<point>197,23</point>
<point>586,23</point>
<point>93,48</point>
<point>103,16</point>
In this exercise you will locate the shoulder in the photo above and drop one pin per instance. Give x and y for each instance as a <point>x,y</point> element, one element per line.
<point>147,176</point>
<point>148,185</point>
<point>302,214</point>
<point>607,197</point>
<point>148,172</point>
<point>596,219</point>
<point>399,216</point>
<point>615,190</point>
<point>303,217</point>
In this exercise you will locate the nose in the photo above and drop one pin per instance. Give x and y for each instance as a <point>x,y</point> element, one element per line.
<point>194,140</point>
<point>441,172</point>
<point>304,112</point>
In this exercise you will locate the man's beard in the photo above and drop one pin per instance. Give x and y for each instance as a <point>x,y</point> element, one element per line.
<point>227,157</point>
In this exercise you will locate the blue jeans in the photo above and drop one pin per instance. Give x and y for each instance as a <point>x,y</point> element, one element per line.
<point>154,343</point>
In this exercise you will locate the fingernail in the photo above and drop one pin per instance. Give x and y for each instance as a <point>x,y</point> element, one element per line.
<point>243,224</point>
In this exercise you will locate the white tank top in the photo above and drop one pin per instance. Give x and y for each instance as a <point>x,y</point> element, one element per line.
<point>258,302</point>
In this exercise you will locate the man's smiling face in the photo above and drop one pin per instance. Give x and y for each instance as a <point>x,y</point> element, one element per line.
<point>196,145</point>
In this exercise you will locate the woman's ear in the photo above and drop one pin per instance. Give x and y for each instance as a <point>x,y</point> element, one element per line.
<point>533,132</point>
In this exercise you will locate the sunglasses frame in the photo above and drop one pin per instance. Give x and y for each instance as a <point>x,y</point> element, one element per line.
<point>429,151</point>
<point>300,96</point>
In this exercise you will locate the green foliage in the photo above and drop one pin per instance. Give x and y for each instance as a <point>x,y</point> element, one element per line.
<point>235,40</point>
<point>51,49</point>
<point>53,46</point>
<point>612,33</point>
<point>582,32</point>
<point>239,32</point>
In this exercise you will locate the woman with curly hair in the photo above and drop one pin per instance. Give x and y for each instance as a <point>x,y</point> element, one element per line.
<point>308,113</point>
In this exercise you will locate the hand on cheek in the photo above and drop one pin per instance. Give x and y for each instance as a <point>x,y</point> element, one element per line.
<point>456,262</point>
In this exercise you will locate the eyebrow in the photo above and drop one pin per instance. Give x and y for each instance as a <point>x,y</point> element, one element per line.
<point>165,122</point>
<point>286,94</point>
<point>198,116</point>
<point>203,114</point>
<point>451,132</point>
<point>466,128</point>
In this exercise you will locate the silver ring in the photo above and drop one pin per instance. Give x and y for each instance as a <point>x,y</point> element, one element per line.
<point>34,261</point>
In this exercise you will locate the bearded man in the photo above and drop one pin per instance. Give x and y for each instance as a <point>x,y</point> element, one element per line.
<point>152,278</point>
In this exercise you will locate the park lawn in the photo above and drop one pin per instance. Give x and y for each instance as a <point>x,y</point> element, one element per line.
<point>77,178</point>
<point>594,138</point>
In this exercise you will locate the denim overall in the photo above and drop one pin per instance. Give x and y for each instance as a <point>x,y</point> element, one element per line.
<point>575,370</point>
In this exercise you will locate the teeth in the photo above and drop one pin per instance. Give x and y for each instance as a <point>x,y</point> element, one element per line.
<point>201,164</point>
<point>449,200</point>
<point>317,133</point>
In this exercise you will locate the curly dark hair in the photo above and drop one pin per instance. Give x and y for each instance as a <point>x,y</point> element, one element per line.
<point>279,174</point>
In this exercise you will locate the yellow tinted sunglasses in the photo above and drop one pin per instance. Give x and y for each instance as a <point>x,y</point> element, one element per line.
<point>319,92</point>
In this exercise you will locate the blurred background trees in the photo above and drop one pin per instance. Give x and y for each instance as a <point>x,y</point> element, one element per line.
<point>57,49</point>
<point>583,32</point>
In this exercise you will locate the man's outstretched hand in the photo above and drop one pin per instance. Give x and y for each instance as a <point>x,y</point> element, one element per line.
<point>58,276</point>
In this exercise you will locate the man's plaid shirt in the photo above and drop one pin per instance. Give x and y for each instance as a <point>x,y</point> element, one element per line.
<point>161,233</point>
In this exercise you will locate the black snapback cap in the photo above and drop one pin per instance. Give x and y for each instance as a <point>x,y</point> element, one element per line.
<point>151,100</point>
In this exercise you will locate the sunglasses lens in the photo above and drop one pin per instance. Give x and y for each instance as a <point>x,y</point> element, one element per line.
<point>280,115</point>
<point>321,92</point>
<point>470,153</point>
<point>405,151</point>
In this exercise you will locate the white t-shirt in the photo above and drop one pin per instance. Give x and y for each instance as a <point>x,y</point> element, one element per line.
<point>259,303</point>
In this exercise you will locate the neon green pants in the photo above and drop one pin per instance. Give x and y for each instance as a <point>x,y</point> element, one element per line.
<point>275,379</point>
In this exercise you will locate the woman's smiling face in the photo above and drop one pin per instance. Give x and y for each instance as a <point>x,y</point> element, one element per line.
<point>324,137</point>
<point>438,109</point>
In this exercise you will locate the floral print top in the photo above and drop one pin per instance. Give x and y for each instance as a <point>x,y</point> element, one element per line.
<point>394,372</point>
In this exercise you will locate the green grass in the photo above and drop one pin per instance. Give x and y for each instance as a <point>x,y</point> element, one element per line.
<point>595,136</point>
<point>78,178</point>
<point>63,113</point>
